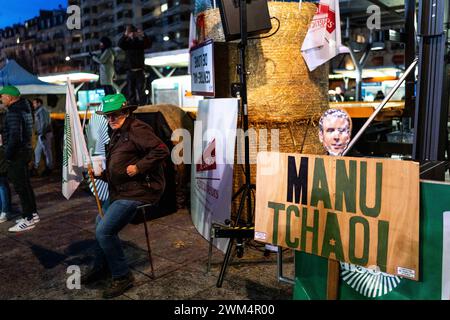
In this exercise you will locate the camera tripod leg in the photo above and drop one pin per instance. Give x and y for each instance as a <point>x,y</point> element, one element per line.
<point>226,260</point>
<point>241,189</point>
<point>211,238</point>
<point>225,263</point>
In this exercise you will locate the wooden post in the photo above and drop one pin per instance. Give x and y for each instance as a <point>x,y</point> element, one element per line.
<point>91,175</point>
<point>333,280</point>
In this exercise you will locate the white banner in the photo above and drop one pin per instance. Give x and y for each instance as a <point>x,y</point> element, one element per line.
<point>323,40</point>
<point>212,165</point>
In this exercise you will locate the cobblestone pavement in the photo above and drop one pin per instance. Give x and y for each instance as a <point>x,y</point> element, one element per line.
<point>33,265</point>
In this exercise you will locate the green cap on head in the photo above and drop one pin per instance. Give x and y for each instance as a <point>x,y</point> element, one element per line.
<point>10,90</point>
<point>113,103</point>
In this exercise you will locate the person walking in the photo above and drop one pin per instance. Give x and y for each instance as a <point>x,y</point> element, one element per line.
<point>44,133</point>
<point>135,176</point>
<point>106,62</point>
<point>17,132</point>
<point>134,42</point>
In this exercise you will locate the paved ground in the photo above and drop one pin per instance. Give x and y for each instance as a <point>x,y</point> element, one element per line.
<point>33,265</point>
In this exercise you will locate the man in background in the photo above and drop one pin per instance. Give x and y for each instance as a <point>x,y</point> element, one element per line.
<point>339,97</point>
<point>44,133</point>
<point>16,136</point>
<point>134,42</point>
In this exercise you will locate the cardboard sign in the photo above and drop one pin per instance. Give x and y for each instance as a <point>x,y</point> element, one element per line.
<point>211,170</point>
<point>356,210</point>
<point>202,69</point>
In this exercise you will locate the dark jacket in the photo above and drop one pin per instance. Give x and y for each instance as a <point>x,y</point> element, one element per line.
<point>18,128</point>
<point>134,51</point>
<point>136,144</point>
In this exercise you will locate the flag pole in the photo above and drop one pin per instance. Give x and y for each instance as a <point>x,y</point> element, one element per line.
<point>90,171</point>
<point>91,176</point>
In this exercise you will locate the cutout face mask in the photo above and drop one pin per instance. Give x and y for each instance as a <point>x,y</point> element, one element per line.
<point>335,131</point>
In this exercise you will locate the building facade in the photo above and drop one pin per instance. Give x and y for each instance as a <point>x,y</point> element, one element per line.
<point>40,45</point>
<point>44,45</point>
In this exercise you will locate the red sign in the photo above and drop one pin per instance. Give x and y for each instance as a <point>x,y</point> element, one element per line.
<point>208,158</point>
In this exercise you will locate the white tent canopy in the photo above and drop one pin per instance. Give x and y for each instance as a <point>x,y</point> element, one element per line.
<point>28,84</point>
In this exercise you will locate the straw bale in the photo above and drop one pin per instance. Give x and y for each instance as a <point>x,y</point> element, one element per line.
<point>279,84</point>
<point>282,93</point>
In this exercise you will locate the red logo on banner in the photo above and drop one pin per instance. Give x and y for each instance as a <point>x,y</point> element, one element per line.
<point>208,158</point>
<point>331,16</point>
<point>331,22</point>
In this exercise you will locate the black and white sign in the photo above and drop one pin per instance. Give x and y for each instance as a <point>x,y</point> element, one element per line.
<point>202,69</point>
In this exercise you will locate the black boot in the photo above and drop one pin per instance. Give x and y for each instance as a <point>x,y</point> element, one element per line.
<point>46,172</point>
<point>119,286</point>
<point>33,172</point>
<point>95,274</point>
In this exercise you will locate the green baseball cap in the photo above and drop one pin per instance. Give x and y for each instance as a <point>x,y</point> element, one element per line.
<point>10,90</point>
<point>113,103</point>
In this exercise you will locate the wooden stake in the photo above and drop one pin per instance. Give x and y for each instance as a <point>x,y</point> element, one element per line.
<point>91,175</point>
<point>333,280</point>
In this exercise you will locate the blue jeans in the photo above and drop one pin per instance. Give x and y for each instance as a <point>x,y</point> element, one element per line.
<point>109,249</point>
<point>5,195</point>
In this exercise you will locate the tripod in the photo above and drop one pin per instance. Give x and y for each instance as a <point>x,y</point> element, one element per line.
<point>246,190</point>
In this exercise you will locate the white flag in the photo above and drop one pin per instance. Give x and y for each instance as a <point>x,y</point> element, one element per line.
<point>192,37</point>
<point>192,32</point>
<point>75,154</point>
<point>323,40</point>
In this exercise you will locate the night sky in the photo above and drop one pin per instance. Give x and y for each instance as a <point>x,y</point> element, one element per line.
<point>12,11</point>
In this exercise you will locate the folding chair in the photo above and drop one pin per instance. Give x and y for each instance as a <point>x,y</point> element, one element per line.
<point>149,250</point>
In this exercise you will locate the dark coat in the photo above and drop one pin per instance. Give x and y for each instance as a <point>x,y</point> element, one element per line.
<point>18,128</point>
<point>134,51</point>
<point>136,144</point>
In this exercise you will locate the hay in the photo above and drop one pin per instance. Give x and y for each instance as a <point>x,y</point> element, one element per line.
<point>282,93</point>
<point>279,84</point>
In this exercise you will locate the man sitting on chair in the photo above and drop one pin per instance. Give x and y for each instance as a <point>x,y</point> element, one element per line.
<point>135,177</point>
